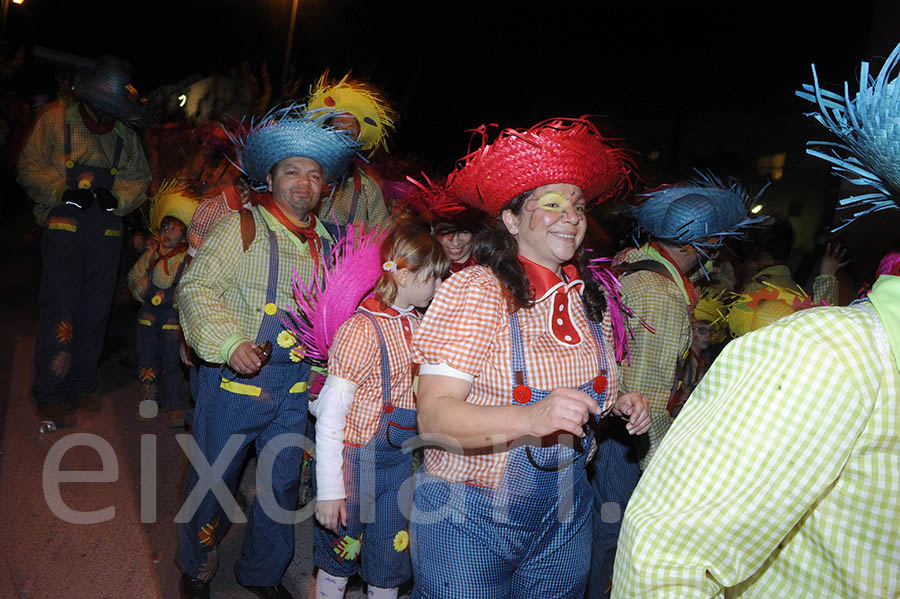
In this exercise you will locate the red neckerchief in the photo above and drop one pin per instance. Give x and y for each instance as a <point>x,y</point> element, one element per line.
<point>543,282</point>
<point>178,249</point>
<point>233,198</point>
<point>458,266</point>
<point>307,233</point>
<point>688,286</point>
<point>92,124</point>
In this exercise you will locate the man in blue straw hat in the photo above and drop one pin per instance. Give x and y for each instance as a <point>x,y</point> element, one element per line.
<point>84,167</point>
<point>780,476</point>
<point>252,382</point>
<point>684,223</point>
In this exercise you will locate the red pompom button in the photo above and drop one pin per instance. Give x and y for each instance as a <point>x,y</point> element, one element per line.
<point>329,101</point>
<point>522,394</point>
<point>388,408</point>
<point>600,384</point>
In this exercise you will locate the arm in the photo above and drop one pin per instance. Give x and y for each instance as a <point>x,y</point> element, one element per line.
<point>41,170</point>
<point>133,176</point>
<point>210,326</point>
<point>139,276</point>
<point>764,436</point>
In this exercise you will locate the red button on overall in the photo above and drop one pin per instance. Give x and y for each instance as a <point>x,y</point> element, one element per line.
<point>388,408</point>
<point>600,384</point>
<point>522,394</point>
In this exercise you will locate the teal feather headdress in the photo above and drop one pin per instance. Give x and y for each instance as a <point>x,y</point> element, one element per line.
<point>868,126</point>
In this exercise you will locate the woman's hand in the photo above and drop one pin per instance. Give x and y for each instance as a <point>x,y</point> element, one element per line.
<point>634,408</point>
<point>562,410</point>
<point>331,513</point>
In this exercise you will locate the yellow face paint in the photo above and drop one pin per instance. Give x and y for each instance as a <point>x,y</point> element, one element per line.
<point>553,201</point>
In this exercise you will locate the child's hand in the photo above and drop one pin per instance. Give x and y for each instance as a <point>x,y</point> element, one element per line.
<point>151,245</point>
<point>331,513</point>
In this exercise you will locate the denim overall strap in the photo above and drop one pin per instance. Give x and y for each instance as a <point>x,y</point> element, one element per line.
<point>357,190</point>
<point>385,365</point>
<point>517,352</point>
<point>102,177</point>
<point>271,323</point>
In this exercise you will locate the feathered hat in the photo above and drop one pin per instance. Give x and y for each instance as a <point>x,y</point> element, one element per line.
<point>108,89</point>
<point>432,200</point>
<point>765,305</point>
<point>288,131</point>
<point>553,151</point>
<point>868,127</point>
<point>360,100</point>
<point>712,307</point>
<point>325,302</point>
<point>172,199</point>
<point>700,212</point>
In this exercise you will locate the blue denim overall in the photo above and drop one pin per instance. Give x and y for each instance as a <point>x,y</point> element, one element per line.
<point>259,408</point>
<point>375,540</point>
<point>528,538</point>
<point>158,339</point>
<point>80,252</point>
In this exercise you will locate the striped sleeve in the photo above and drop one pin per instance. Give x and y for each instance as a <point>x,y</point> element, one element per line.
<point>459,327</point>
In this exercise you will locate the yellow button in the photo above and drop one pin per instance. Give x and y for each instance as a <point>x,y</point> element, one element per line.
<point>70,164</point>
<point>271,309</point>
<point>113,171</point>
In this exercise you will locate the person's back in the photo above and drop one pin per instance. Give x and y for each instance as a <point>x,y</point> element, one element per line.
<point>784,454</point>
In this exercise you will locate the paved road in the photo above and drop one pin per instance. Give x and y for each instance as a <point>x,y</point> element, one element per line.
<point>42,556</point>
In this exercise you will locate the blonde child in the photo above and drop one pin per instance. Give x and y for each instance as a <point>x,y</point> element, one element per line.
<point>364,414</point>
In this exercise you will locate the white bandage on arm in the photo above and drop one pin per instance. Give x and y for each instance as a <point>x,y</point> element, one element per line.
<point>331,418</point>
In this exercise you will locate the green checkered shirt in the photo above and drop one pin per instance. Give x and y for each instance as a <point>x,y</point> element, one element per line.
<point>42,163</point>
<point>781,476</point>
<point>370,210</point>
<point>222,294</point>
<point>654,355</point>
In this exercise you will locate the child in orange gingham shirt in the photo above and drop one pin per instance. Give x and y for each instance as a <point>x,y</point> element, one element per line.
<point>364,413</point>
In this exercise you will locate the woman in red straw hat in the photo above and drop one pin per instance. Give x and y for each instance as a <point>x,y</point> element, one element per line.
<point>517,355</point>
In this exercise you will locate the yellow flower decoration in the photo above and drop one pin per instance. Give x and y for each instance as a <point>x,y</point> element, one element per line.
<point>401,541</point>
<point>286,339</point>
<point>296,354</point>
<point>157,299</point>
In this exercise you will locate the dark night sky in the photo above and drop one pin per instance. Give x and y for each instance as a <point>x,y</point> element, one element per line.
<point>710,83</point>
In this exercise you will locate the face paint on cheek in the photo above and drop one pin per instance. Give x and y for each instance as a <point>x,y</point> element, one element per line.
<point>549,202</point>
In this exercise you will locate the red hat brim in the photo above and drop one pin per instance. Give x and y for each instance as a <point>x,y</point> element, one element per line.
<point>553,151</point>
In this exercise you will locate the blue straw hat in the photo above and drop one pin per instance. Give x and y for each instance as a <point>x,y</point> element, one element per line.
<point>695,211</point>
<point>868,126</point>
<point>291,131</point>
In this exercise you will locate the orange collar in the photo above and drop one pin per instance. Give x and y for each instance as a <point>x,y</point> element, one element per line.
<point>545,282</point>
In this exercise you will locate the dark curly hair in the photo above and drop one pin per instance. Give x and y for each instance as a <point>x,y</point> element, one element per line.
<point>497,249</point>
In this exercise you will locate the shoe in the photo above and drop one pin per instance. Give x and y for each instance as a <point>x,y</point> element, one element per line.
<point>61,414</point>
<point>92,402</point>
<point>276,592</point>
<point>191,588</point>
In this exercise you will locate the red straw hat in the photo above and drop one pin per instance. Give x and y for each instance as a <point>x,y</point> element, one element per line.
<point>553,151</point>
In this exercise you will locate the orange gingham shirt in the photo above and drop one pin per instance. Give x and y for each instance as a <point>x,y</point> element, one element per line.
<point>467,328</point>
<point>355,356</point>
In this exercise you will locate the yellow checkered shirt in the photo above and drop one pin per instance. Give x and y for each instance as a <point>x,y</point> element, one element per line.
<point>42,164</point>
<point>781,475</point>
<point>222,293</point>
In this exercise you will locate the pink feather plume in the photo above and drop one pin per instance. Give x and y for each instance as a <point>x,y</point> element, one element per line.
<point>327,301</point>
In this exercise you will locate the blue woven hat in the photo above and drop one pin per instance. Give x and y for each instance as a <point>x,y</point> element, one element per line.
<point>291,131</point>
<point>868,126</point>
<point>696,210</point>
